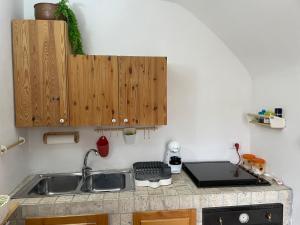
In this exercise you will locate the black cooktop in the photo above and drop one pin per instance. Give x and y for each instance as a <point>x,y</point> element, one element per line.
<point>221,174</point>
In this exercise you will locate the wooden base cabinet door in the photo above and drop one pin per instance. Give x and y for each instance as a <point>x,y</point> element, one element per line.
<point>142,90</point>
<point>174,217</point>
<point>68,220</point>
<point>40,72</point>
<point>93,90</point>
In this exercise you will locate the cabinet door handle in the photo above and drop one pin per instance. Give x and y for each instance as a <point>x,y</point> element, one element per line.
<point>113,120</point>
<point>61,121</point>
<point>125,120</point>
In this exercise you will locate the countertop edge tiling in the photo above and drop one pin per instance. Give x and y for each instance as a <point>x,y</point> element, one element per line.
<point>181,194</point>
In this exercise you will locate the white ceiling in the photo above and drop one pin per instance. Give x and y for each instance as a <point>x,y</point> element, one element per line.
<point>264,34</point>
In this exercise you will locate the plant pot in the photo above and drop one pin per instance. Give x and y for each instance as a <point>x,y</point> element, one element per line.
<point>46,11</point>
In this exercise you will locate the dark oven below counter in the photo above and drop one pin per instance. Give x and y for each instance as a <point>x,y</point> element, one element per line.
<point>270,214</point>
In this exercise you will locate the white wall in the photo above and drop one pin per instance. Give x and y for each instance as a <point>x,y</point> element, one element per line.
<point>208,88</point>
<point>13,165</point>
<point>280,148</point>
<point>264,35</point>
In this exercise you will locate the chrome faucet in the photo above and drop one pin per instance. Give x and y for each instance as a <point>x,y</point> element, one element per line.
<point>85,169</point>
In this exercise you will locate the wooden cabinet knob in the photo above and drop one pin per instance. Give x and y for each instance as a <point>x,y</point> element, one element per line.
<point>125,120</point>
<point>62,121</point>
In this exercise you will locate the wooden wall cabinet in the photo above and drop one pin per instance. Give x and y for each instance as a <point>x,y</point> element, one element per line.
<point>93,90</point>
<point>101,219</point>
<point>174,217</point>
<point>117,90</point>
<point>54,88</point>
<point>142,90</point>
<point>40,73</point>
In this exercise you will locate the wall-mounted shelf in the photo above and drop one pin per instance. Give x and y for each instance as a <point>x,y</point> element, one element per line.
<point>275,122</point>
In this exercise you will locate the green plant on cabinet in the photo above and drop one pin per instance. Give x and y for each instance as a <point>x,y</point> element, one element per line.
<point>73,29</point>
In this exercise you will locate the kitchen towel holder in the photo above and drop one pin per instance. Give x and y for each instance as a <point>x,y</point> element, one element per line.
<point>5,148</point>
<point>68,137</point>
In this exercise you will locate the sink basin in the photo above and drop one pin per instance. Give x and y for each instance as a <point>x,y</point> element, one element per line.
<point>56,184</point>
<point>104,182</point>
<point>73,183</point>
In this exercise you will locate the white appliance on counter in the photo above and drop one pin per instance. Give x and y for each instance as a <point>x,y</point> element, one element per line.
<point>173,156</point>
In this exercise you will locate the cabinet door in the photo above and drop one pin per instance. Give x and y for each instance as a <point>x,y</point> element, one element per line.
<point>178,221</point>
<point>93,90</point>
<point>39,59</point>
<point>174,217</point>
<point>82,220</point>
<point>143,90</point>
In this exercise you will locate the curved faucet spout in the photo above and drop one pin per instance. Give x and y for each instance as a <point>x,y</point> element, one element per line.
<point>87,155</point>
<point>86,169</point>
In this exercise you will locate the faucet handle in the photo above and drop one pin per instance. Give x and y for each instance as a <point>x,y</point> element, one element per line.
<point>87,168</point>
<point>86,171</point>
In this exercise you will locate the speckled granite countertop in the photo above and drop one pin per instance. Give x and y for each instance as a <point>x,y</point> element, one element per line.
<point>182,194</point>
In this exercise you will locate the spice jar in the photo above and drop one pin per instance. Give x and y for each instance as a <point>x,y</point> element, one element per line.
<point>247,161</point>
<point>258,166</point>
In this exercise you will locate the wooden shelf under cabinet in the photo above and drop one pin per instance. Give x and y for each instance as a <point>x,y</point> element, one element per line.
<point>174,217</point>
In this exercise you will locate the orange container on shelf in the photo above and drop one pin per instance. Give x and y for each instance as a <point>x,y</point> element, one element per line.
<point>258,166</point>
<point>247,161</point>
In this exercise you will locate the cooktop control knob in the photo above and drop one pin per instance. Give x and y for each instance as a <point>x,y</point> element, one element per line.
<point>244,218</point>
<point>269,216</point>
<point>221,221</point>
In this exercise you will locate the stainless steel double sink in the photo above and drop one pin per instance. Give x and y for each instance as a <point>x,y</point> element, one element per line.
<point>73,183</point>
